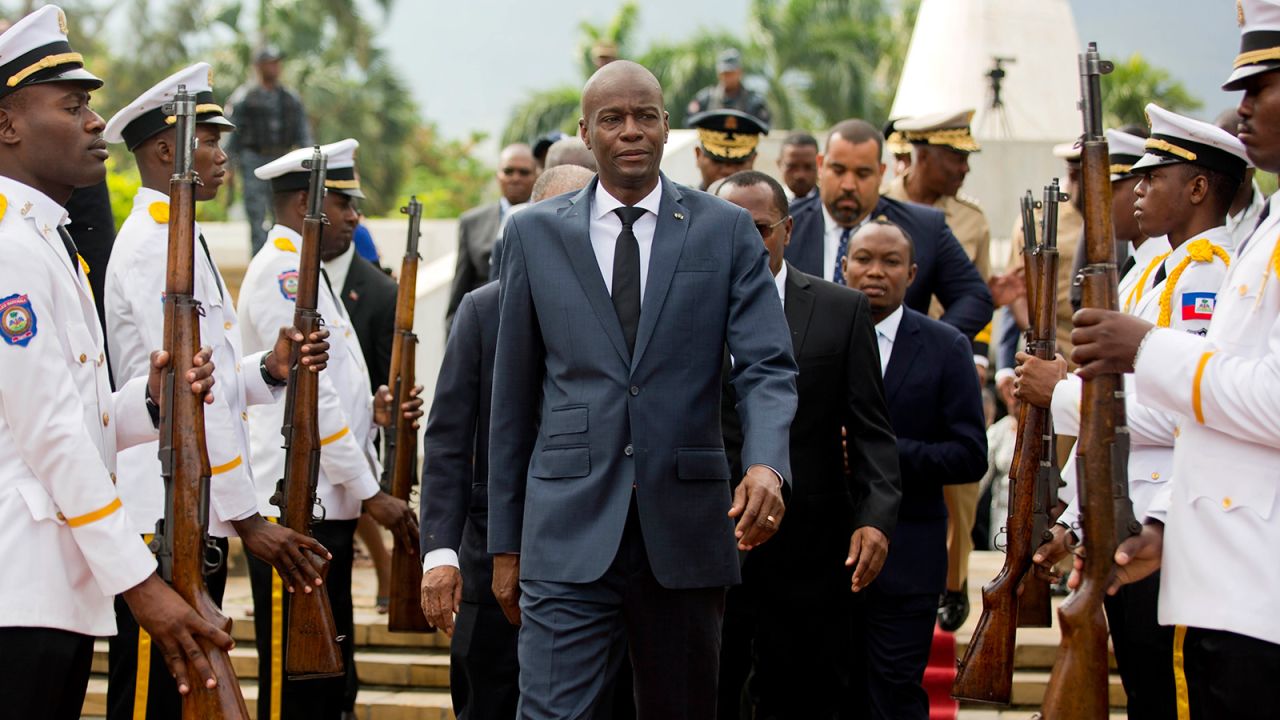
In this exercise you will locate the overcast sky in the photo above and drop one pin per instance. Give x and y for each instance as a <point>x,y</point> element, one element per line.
<point>468,63</point>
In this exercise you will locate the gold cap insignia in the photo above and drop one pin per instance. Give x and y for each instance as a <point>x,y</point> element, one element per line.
<point>731,123</point>
<point>62,22</point>
<point>210,77</point>
<point>1240,12</point>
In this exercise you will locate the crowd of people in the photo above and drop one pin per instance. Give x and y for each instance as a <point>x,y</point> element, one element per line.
<point>714,452</point>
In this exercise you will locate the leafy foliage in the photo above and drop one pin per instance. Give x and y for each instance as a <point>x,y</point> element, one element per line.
<point>1134,83</point>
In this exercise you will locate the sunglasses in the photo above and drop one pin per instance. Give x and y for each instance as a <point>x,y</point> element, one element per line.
<point>522,172</point>
<point>764,229</point>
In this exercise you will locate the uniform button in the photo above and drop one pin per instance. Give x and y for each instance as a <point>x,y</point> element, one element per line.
<point>62,517</point>
<point>1243,289</point>
<point>106,419</point>
<point>237,367</point>
<point>113,478</point>
<point>1177,430</point>
<point>1155,476</point>
<point>634,391</point>
<point>1226,503</point>
<point>226,325</point>
<point>101,358</point>
<point>83,358</point>
<point>244,416</point>
<point>628,450</point>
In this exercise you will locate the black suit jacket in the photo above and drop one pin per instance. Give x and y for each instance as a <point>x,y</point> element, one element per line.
<point>944,269</point>
<point>839,386</point>
<point>455,472</point>
<point>94,232</point>
<point>477,231</point>
<point>936,408</point>
<point>369,295</point>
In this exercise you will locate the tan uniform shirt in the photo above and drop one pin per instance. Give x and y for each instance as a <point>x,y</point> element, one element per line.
<point>1070,227</point>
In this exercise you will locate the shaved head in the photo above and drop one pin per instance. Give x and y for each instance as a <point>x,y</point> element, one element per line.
<point>625,126</point>
<point>559,180</point>
<point>614,77</point>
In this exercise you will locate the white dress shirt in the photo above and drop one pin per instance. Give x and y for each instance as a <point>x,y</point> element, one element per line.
<point>831,242</point>
<point>606,225</point>
<point>337,270</point>
<point>781,281</point>
<point>886,334</point>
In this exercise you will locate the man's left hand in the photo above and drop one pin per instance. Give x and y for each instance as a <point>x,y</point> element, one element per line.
<point>200,376</point>
<point>282,548</point>
<point>1106,341</point>
<point>1036,378</point>
<point>314,355</point>
<point>868,548</point>
<point>758,504</point>
<point>383,400</point>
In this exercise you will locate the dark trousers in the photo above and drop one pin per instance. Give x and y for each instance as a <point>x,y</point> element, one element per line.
<point>892,636</point>
<point>484,672</point>
<point>1229,675</point>
<point>157,689</point>
<point>318,699</point>
<point>43,672</point>
<point>1143,650</point>
<point>574,636</point>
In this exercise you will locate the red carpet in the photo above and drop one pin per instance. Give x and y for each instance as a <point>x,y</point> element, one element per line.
<point>939,675</point>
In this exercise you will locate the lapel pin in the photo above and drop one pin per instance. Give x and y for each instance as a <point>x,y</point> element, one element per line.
<point>678,216</point>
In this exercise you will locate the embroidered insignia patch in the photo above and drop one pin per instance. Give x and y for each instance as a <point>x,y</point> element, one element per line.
<point>17,320</point>
<point>288,284</point>
<point>1198,305</point>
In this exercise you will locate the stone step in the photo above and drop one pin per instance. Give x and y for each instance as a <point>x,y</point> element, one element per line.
<point>373,703</point>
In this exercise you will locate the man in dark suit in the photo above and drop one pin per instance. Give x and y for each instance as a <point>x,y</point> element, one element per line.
<point>479,227</point>
<point>850,174</point>
<point>369,295</point>
<point>838,520</point>
<point>936,408</point>
<point>458,572</point>
<point>609,496</point>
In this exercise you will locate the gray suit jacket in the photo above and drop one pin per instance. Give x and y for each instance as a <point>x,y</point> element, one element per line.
<point>477,231</point>
<point>577,422</point>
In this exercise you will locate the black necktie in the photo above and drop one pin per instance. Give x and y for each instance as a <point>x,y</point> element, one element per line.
<point>1160,275</point>
<point>70,245</point>
<point>1129,262</point>
<point>626,275</point>
<point>217,279</point>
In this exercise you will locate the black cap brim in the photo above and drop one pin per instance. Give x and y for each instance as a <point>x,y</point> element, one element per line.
<point>72,75</point>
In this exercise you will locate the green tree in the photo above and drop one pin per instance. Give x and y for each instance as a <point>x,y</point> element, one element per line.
<point>1136,82</point>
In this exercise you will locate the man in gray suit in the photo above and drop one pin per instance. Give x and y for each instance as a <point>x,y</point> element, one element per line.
<point>610,511</point>
<point>479,227</point>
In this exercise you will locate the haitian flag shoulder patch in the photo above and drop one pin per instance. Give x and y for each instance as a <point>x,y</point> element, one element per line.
<point>17,320</point>
<point>1198,305</point>
<point>288,284</point>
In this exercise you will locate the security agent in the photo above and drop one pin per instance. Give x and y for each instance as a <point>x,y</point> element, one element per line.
<point>136,276</point>
<point>728,93</point>
<point>68,548</point>
<point>348,411</point>
<point>727,142</point>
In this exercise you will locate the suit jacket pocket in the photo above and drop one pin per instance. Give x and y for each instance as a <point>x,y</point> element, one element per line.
<point>561,462</point>
<point>702,464</point>
<point>567,420</point>
<point>697,264</point>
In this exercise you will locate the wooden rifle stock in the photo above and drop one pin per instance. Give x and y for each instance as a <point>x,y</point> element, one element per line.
<point>985,674</point>
<point>312,649</point>
<point>181,541</point>
<point>401,453</point>
<point>1078,685</point>
<point>1034,604</point>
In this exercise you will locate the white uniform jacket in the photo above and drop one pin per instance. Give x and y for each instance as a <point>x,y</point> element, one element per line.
<point>67,548</point>
<point>1183,300</point>
<point>1222,528</point>
<point>135,326</point>
<point>348,463</point>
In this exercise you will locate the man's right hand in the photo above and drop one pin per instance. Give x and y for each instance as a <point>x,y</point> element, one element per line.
<point>314,355</point>
<point>395,515</point>
<point>441,596</point>
<point>1048,555</point>
<point>506,585</point>
<point>282,548</point>
<point>1037,378</point>
<point>176,629</point>
<point>1008,287</point>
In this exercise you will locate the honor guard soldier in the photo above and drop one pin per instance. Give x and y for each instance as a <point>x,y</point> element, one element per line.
<point>1215,528</point>
<point>349,467</point>
<point>942,143</point>
<point>729,93</point>
<point>68,548</point>
<point>727,142</point>
<point>1189,175</point>
<point>136,277</point>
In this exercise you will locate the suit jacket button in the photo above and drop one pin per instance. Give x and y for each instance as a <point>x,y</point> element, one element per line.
<point>634,391</point>
<point>628,450</point>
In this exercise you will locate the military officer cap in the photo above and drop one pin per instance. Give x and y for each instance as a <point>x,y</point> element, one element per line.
<point>947,129</point>
<point>145,117</point>
<point>35,50</point>
<point>1123,149</point>
<point>729,60</point>
<point>288,173</point>
<point>1259,22</point>
<point>1069,151</point>
<point>728,135</point>
<point>893,140</point>
<point>1179,139</point>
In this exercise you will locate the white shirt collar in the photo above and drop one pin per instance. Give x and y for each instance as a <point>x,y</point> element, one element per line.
<point>30,203</point>
<point>781,281</point>
<point>888,327</point>
<point>339,267</point>
<point>604,203</point>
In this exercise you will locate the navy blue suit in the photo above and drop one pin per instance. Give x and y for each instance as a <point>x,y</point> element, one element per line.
<point>611,479</point>
<point>935,406</point>
<point>943,268</point>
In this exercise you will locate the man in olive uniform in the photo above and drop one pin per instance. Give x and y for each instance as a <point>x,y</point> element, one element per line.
<point>942,144</point>
<point>727,142</point>
<point>729,93</point>
<point>270,121</point>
